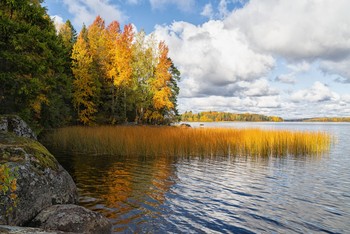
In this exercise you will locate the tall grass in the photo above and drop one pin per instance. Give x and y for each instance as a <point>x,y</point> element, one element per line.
<point>174,141</point>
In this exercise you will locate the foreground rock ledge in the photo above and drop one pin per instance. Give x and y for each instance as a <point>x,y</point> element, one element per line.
<point>72,218</point>
<point>4,229</point>
<point>41,183</point>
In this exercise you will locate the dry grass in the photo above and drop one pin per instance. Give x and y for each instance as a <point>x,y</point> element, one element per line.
<point>173,141</point>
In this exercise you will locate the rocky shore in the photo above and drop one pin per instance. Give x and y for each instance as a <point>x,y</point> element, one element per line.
<point>35,190</point>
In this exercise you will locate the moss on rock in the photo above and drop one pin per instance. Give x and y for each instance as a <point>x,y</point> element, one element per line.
<point>17,149</point>
<point>40,180</point>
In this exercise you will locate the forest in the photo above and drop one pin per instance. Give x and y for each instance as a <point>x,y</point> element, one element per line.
<point>53,76</point>
<point>214,116</point>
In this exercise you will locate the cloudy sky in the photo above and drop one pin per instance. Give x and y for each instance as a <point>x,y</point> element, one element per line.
<point>273,57</point>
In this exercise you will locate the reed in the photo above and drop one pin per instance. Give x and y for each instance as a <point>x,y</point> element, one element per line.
<point>174,141</point>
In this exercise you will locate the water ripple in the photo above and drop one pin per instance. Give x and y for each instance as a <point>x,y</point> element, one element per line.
<point>220,195</point>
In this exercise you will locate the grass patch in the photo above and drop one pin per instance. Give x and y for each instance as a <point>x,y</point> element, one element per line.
<point>174,141</point>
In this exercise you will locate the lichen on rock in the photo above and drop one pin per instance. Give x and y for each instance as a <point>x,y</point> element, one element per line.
<point>32,183</point>
<point>13,123</point>
<point>71,218</point>
<point>40,180</point>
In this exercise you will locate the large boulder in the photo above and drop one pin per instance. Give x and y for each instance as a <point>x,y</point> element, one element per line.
<point>40,181</point>
<point>27,230</point>
<point>31,179</point>
<point>71,218</point>
<point>13,123</point>
<point>33,187</point>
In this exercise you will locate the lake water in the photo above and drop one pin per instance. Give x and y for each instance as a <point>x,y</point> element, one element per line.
<point>221,195</point>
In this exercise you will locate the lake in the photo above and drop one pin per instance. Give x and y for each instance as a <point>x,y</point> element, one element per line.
<point>221,194</point>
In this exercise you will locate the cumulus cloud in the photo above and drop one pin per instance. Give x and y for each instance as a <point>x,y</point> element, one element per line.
<point>211,58</point>
<point>295,70</point>
<point>258,88</point>
<point>297,29</point>
<point>300,67</point>
<point>184,5</point>
<point>223,11</point>
<point>224,61</point>
<point>85,11</point>
<point>286,78</point>
<point>261,105</point>
<point>208,11</point>
<point>58,21</point>
<point>319,92</point>
<point>339,68</point>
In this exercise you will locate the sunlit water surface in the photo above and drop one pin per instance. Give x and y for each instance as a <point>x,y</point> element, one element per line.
<point>222,194</point>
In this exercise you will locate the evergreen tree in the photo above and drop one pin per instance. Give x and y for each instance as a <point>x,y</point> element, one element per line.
<point>33,64</point>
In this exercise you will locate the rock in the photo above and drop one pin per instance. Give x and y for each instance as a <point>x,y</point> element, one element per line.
<point>3,124</point>
<point>71,218</point>
<point>33,187</point>
<point>13,123</point>
<point>185,125</point>
<point>27,230</point>
<point>40,180</point>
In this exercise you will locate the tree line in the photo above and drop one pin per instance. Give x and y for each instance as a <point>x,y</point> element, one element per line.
<point>214,116</point>
<point>52,76</point>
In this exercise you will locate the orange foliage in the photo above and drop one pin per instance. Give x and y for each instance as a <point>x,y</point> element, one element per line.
<point>112,33</point>
<point>162,92</point>
<point>123,57</point>
<point>84,89</point>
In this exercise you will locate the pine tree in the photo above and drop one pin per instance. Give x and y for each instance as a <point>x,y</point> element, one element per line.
<point>33,63</point>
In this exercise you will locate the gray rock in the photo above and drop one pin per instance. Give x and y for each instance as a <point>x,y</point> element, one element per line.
<point>185,125</point>
<point>13,123</point>
<point>41,180</point>
<point>72,218</point>
<point>27,230</point>
<point>41,184</point>
<point>3,124</point>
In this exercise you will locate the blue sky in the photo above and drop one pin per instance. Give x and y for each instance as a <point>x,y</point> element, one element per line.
<point>273,57</point>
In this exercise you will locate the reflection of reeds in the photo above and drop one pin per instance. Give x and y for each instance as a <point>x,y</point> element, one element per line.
<point>173,141</point>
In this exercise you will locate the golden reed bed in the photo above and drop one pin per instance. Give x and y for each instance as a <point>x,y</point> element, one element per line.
<point>175,141</point>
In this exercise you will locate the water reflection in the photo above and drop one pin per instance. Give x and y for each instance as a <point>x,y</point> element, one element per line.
<point>220,194</point>
<point>129,190</point>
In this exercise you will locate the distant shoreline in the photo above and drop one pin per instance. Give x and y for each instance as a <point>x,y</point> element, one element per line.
<point>216,116</point>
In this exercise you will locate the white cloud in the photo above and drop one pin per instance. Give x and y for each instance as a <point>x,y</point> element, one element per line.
<point>258,88</point>
<point>85,11</point>
<point>58,21</point>
<point>224,62</point>
<point>300,67</point>
<point>341,68</point>
<point>295,69</point>
<point>223,11</point>
<point>286,78</point>
<point>208,11</point>
<point>319,92</point>
<point>299,29</point>
<point>260,105</point>
<point>212,59</point>
<point>184,5</point>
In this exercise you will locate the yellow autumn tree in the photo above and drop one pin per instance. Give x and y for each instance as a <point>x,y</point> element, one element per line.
<point>110,68</point>
<point>160,86</point>
<point>84,85</point>
<point>112,33</point>
<point>123,69</point>
<point>123,57</point>
<point>96,37</point>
